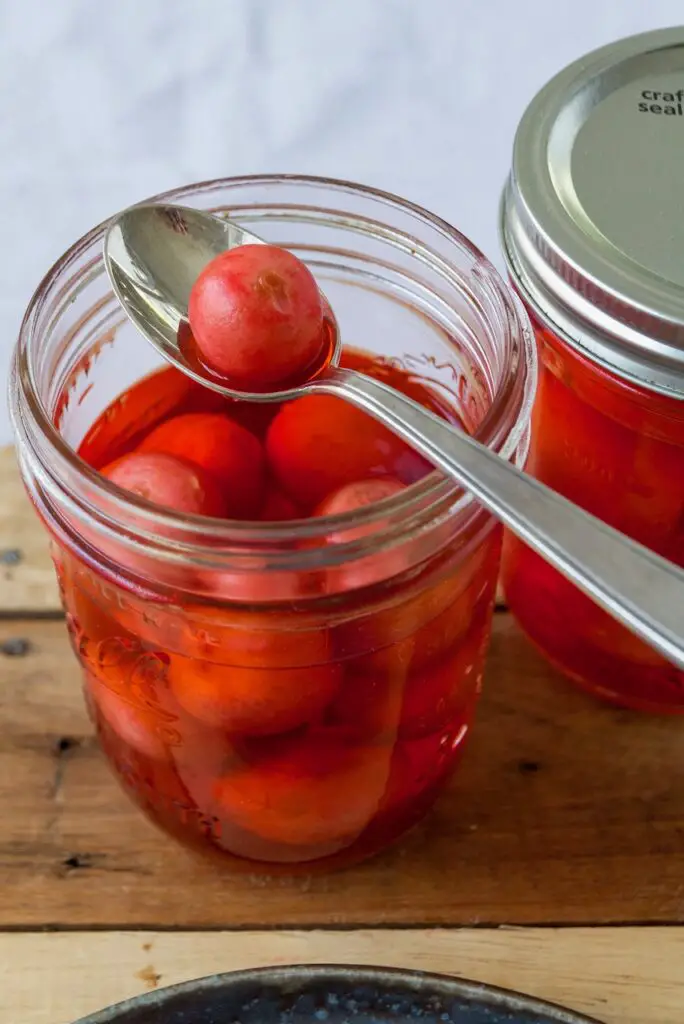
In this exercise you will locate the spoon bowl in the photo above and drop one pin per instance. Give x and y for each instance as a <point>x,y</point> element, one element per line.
<point>153,255</point>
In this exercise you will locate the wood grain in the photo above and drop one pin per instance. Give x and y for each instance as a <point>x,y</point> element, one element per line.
<point>619,976</point>
<point>27,579</point>
<point>564,811</point>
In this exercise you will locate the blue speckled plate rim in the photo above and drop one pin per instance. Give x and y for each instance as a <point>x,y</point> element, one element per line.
<point>386,979</point>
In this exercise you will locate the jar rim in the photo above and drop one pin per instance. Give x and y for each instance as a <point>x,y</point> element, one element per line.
<point>34,427</point>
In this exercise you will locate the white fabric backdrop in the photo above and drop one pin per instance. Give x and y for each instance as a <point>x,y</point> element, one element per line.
<point>105,103</point>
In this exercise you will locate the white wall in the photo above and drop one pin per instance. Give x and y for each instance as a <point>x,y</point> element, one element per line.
<point>104,103</point>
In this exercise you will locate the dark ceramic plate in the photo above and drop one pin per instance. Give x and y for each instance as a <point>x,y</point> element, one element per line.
<point>333,995</point>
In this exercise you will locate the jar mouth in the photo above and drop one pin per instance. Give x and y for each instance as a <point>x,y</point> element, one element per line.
<point>62,474</point>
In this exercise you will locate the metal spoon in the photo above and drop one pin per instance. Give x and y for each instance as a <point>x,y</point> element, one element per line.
<point>154,253</point>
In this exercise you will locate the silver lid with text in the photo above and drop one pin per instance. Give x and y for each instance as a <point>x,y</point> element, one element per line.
<point>592,216</point>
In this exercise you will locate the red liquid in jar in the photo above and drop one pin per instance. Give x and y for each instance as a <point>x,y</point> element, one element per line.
<point>305,735</point>
<point>618,451</point>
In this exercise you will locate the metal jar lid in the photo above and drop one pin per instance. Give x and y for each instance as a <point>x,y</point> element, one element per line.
<point>592,217</point>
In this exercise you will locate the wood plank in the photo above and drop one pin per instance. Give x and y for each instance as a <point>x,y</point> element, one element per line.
<point>27,579</point>
<point>564,811</point>
<point>620,976</point>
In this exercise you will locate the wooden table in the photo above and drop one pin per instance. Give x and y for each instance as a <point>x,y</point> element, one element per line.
<point>554,864</point>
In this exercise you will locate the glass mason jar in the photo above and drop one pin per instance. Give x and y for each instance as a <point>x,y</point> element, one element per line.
<point>260,694</point>
<point>594,245</point>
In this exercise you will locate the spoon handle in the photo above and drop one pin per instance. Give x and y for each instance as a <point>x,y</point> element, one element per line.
<point>639,588</point>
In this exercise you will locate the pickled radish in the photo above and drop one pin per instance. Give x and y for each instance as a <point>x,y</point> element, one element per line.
<point>224,449</point>
<point>147,730</point>
<point>319,444</point>
<point>256,314</point>
<point>168,481</point>
<point>347,499</point>
<point>306,791</point>
<point>356,495</point>
<point>252,701</point>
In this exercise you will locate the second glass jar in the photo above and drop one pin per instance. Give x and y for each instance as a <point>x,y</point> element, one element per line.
<point>590,243</point>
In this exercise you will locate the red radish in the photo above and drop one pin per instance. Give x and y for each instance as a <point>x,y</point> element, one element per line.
<point>265,679</point>
<point>160,731</point>
<point>374,567</point>
<point>168,481</point>
<point>256,314</point>
<point>306,791</point>
<point>226,450</point>
<point>317,444</point>
<point>145,728</point>
<point>252,701</point>
<point>356,495</point>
